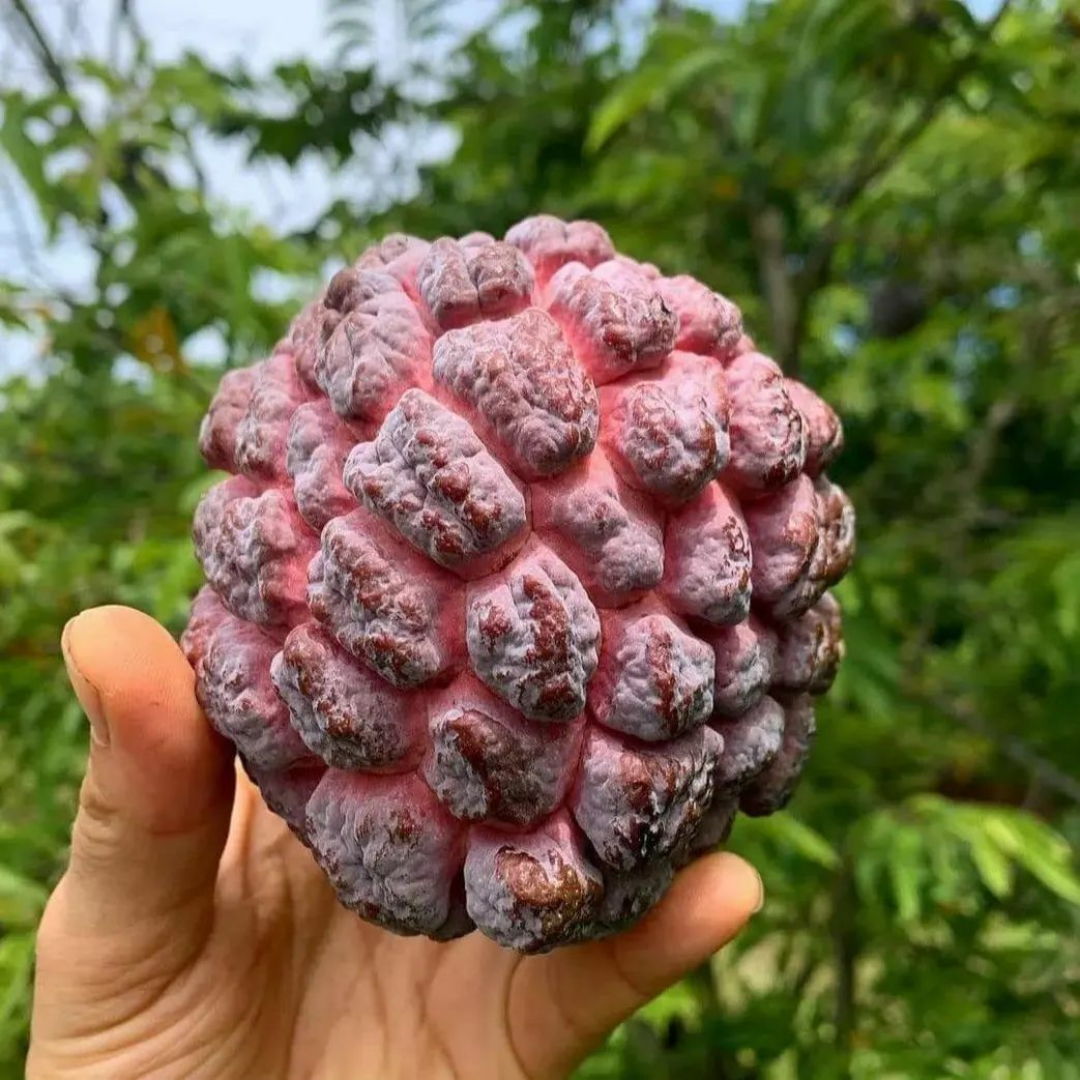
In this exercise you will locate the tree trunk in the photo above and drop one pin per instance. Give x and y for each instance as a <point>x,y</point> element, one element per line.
<point>787,308</point>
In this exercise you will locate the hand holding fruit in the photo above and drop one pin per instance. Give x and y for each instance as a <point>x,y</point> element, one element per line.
<point>516,595</point>
<point>193,937</point>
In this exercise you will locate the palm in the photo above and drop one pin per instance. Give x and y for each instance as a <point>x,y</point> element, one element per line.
<point>361,1001</point>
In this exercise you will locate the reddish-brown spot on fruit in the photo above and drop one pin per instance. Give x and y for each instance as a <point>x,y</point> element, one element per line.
<point>532,891</point>
<point>824,433</point>
<point>667,433</point>
<point>523,389</point>
<point>608,533</point>
<point>708,322</point>
<point>655,678</point>
<point>613,317</point>
<point>384,603</point>
<point>638,804</point>
<point>836,518</point>
<point>768,441</point>
<point>374,345</point>
<point>549,243</point>
<point>428,475</point>
<point>810,650</point>
<point>460,283</point>
<point>488,763</point>
<point>344,711</point>
<point>533,634</point>
<point>789,553</point>
<point>707,570</point>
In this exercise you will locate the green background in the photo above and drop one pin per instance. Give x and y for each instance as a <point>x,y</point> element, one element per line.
<point>889,188</point>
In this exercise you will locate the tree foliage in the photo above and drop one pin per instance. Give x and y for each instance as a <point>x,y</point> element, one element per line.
<point>890,190</point>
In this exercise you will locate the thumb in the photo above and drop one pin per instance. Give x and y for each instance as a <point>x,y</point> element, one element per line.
<point>563,1004</point>
<point>155,802</point>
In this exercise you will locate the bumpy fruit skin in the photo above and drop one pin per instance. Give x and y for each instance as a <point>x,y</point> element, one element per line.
<point>516,594</point>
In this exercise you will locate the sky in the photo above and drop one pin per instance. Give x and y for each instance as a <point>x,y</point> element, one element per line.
<point>262,33</point>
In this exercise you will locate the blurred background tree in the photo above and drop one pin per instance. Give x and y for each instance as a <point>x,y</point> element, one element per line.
<point>889,188</point>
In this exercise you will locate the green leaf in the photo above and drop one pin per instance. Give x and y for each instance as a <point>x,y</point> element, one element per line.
<point>21,900</point>
<point>649,87</point>
<point>993,867</point>
<point>906,872</point>
<point>16,965</point>
<point>789,832</point>
<point>679,1001</point>
<point>1041,851</point>
<point>98,71</point>
<point>25,154</point>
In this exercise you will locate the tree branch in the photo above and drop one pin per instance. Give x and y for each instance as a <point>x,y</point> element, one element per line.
<point>114,33</point>
<point>846,951</point>
<point>1014,748</point>
<point>877,160</point>
<point>40,44</point>
<point>789,294</point>
<point>767,229</point>
<point>132,156</point>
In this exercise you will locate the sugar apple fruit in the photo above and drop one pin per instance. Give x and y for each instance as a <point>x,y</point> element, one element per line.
<point>517,591</point>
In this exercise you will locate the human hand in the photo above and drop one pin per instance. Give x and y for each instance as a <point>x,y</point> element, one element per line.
<point>192,936</point>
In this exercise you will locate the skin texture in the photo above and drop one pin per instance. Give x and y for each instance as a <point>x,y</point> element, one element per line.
<point>191,936</point>
<point>538,476</point>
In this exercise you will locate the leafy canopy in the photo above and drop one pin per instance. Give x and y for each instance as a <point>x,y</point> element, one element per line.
<point>890,190</point>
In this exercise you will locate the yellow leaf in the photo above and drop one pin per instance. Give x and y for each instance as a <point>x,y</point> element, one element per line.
<point>153,340</point>
<point>725,187</point>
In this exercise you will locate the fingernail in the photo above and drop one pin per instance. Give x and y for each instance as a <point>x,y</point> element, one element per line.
<point>89,698</point>
<point>760,894</point>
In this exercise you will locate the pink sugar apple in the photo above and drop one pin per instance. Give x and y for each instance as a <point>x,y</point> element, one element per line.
<point>518,591</point>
